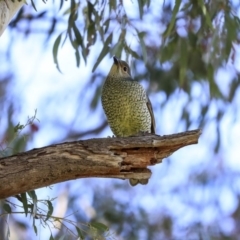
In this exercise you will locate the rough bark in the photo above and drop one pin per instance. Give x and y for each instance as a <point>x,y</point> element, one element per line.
<point>8,9</point>
<point>122,158</point>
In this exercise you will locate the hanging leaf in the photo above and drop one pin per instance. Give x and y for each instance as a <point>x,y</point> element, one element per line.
<point>106,25</point>
<point>24,202</point>
<point>7,208</point>
<point>100,226</point>
<point>173,19</point>
<point>80,235</point>
<point>141,36</point>
<point>80,42</point>
<point>32,195</point>
<point>183,60</point>
<point>55,50</point>
<point>140,8</point>
<point>77,55</point>
<point>132,52</point>
<point>205,13</point>
<point>61,4</point>
<point>112,5</point>
<point>104,52</point>
<point>50,210</point>
<point>34,227</point>
<point>32,2</point>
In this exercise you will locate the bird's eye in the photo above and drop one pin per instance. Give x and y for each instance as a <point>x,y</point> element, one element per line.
<point>124,69</point>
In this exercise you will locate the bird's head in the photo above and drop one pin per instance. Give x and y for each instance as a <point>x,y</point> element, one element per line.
<point>120,69</point>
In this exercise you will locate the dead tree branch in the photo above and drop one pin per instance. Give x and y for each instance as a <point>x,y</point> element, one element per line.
<point>122,158</point>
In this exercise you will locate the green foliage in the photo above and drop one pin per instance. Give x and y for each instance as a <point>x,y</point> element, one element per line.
<point>50,210</point>
<point>99,226</point>
<point>197,41</point>
<point>55,51</point>
<point>23,199</point>
<point>33,4</point>
<point>79,232</point>
<point>173,19</point>
<point>7,208</point>
<point>42,211</point>
<point>104,51</point>
<point>196,49</point>
<point>16,139</point>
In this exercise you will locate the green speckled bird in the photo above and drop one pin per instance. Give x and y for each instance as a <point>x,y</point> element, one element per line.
<point>126,105</point>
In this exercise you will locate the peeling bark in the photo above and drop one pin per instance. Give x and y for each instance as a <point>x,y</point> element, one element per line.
<point>121,158</point>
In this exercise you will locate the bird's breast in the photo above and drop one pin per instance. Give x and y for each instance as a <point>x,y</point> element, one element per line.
<point>125,106</point>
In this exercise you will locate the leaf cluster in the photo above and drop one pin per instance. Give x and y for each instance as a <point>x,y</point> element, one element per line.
<point>41,211</point>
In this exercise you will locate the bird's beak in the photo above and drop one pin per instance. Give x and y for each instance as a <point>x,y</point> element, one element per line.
<point>116,61</point>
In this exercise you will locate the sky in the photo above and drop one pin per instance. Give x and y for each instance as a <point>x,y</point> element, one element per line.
<point>39,85</point>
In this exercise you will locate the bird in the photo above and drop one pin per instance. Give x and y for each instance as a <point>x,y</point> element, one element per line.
<point>126,105</point>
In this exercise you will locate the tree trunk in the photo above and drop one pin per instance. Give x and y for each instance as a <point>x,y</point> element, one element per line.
<point>122,158</point>
<point>8,9</point>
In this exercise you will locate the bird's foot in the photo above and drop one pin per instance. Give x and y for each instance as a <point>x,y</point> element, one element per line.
<point>142,133</point>
<point>111,136</point>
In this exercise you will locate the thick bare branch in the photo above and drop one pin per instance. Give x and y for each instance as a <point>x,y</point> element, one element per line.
<point>122,158</point>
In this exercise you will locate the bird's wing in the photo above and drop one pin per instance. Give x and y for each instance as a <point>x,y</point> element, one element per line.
<point>149,106</point>
<point>153,125</point>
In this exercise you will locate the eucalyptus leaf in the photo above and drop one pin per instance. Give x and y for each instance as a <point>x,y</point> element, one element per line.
<point>104,52</point>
